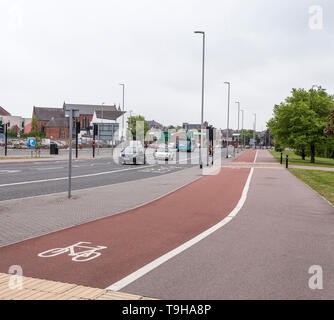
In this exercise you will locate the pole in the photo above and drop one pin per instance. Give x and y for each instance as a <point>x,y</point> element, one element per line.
<point>94,139</point>
<point>254,130</point>
<point>123,85</point>
<point>202,109</point>
<point>228,114</point>
<point>70,155</point>
<point>6,137</point>
<point>238,123</point>
<point>243,135</point>
<point>76,141</point>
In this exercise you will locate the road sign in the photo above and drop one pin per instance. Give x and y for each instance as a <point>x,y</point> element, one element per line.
<point>31,142</point>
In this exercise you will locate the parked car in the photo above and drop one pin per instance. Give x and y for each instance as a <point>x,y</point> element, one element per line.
<point>132,155</point>
<point>163,153</point>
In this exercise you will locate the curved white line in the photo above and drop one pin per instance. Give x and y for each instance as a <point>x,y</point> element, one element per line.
<point>154,264</point>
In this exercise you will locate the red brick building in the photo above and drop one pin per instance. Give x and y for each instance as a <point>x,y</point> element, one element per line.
<point>44,115</point>
<point>57,128</point>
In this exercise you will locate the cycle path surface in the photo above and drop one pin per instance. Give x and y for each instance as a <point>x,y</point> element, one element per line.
<point>133,238</point>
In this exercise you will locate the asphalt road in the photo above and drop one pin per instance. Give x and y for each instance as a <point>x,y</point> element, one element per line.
<point>20,180</point>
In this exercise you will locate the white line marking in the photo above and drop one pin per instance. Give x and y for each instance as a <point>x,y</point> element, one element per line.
<point>65,178</point>
<point>51,168</point>
<point>256,156</point>
<point>156,263</point>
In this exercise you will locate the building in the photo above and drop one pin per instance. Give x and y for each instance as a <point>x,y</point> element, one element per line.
<point>108,127</point>
<point>15,123</point>
<point>152,124</point>
<point>54,123</point>
<point>190,126</point>
<point>4,112</point>
<point>44,115</point>
<point>57,128</point>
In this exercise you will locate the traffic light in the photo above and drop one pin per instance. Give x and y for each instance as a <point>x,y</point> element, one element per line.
<point>2,128</point>
<point>96,129</point>
<point>210,133</point>
<point>77,127</point>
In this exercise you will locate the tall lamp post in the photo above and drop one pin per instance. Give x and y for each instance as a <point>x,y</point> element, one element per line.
<point>238,103</point>
<point>254,132</point>
<point>228,113</point>
<point>202,110</point>
<point>242,130</point>
<point>123,85</point>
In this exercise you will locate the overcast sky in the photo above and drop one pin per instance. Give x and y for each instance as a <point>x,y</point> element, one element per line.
<point>79,51</point>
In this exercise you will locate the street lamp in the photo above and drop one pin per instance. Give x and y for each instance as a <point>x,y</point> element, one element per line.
<point>202,110</point>
<point>238,103</point>
<point>228,113</point>
<point>243,135</point>
<point>254,130</point>
<point>123,85</point>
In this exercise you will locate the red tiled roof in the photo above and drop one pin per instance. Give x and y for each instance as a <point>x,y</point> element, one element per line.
<point>3,112</point>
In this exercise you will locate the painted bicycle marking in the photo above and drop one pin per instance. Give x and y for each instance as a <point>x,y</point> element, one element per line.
<point>88,253</point>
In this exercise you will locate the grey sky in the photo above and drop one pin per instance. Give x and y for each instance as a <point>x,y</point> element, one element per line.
<point>78,51</point>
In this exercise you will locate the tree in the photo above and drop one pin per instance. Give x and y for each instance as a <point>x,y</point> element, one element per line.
<point>329,130</point>
<point>133,123</point>
<point>248,136</point>
<point>300,120</point>
<point>34,124</point>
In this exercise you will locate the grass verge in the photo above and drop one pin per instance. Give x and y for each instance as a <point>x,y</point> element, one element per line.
<point>297,160</point>
<point>320,181</point>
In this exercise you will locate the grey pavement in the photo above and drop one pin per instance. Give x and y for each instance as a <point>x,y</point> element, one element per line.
<point>265,252</point>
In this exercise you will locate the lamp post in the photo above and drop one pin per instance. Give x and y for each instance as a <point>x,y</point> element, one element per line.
<point>228,113</point>
<point>238,103</point>
<point>130,123</point>
<point>202,110</point>
<point>254,132</point>
<point>243,135</point>
<point>123,85</point>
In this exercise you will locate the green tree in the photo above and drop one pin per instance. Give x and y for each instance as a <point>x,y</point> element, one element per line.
<point>248,135</point>
<point>34,124</point>
<point>300,120</point>
<point>133,123</point>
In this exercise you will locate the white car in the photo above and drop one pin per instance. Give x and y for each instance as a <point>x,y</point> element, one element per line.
<point>163,153</point>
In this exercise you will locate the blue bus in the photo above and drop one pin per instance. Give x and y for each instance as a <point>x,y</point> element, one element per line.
<point>186,145</point>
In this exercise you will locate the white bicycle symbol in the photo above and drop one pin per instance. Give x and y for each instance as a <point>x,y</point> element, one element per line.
<point>79,256</point>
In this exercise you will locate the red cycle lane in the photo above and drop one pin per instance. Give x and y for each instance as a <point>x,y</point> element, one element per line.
<point>133,238</point>
<point>247,156</point>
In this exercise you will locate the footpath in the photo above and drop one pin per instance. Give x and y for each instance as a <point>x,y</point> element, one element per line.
<point>281,238</point>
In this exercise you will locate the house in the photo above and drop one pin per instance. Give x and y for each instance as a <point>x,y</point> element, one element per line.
<point>54,123</point>
<point>44,115</point>
<point>4,112</point>
<point>152,124</point>
<point>87,111</point>
<point>57,128</point>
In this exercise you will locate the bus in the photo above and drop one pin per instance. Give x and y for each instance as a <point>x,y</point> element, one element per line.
<point>186,145</point>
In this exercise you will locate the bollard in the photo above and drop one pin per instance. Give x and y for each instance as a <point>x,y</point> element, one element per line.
<point>281,157</point>
<point>287,161</point>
